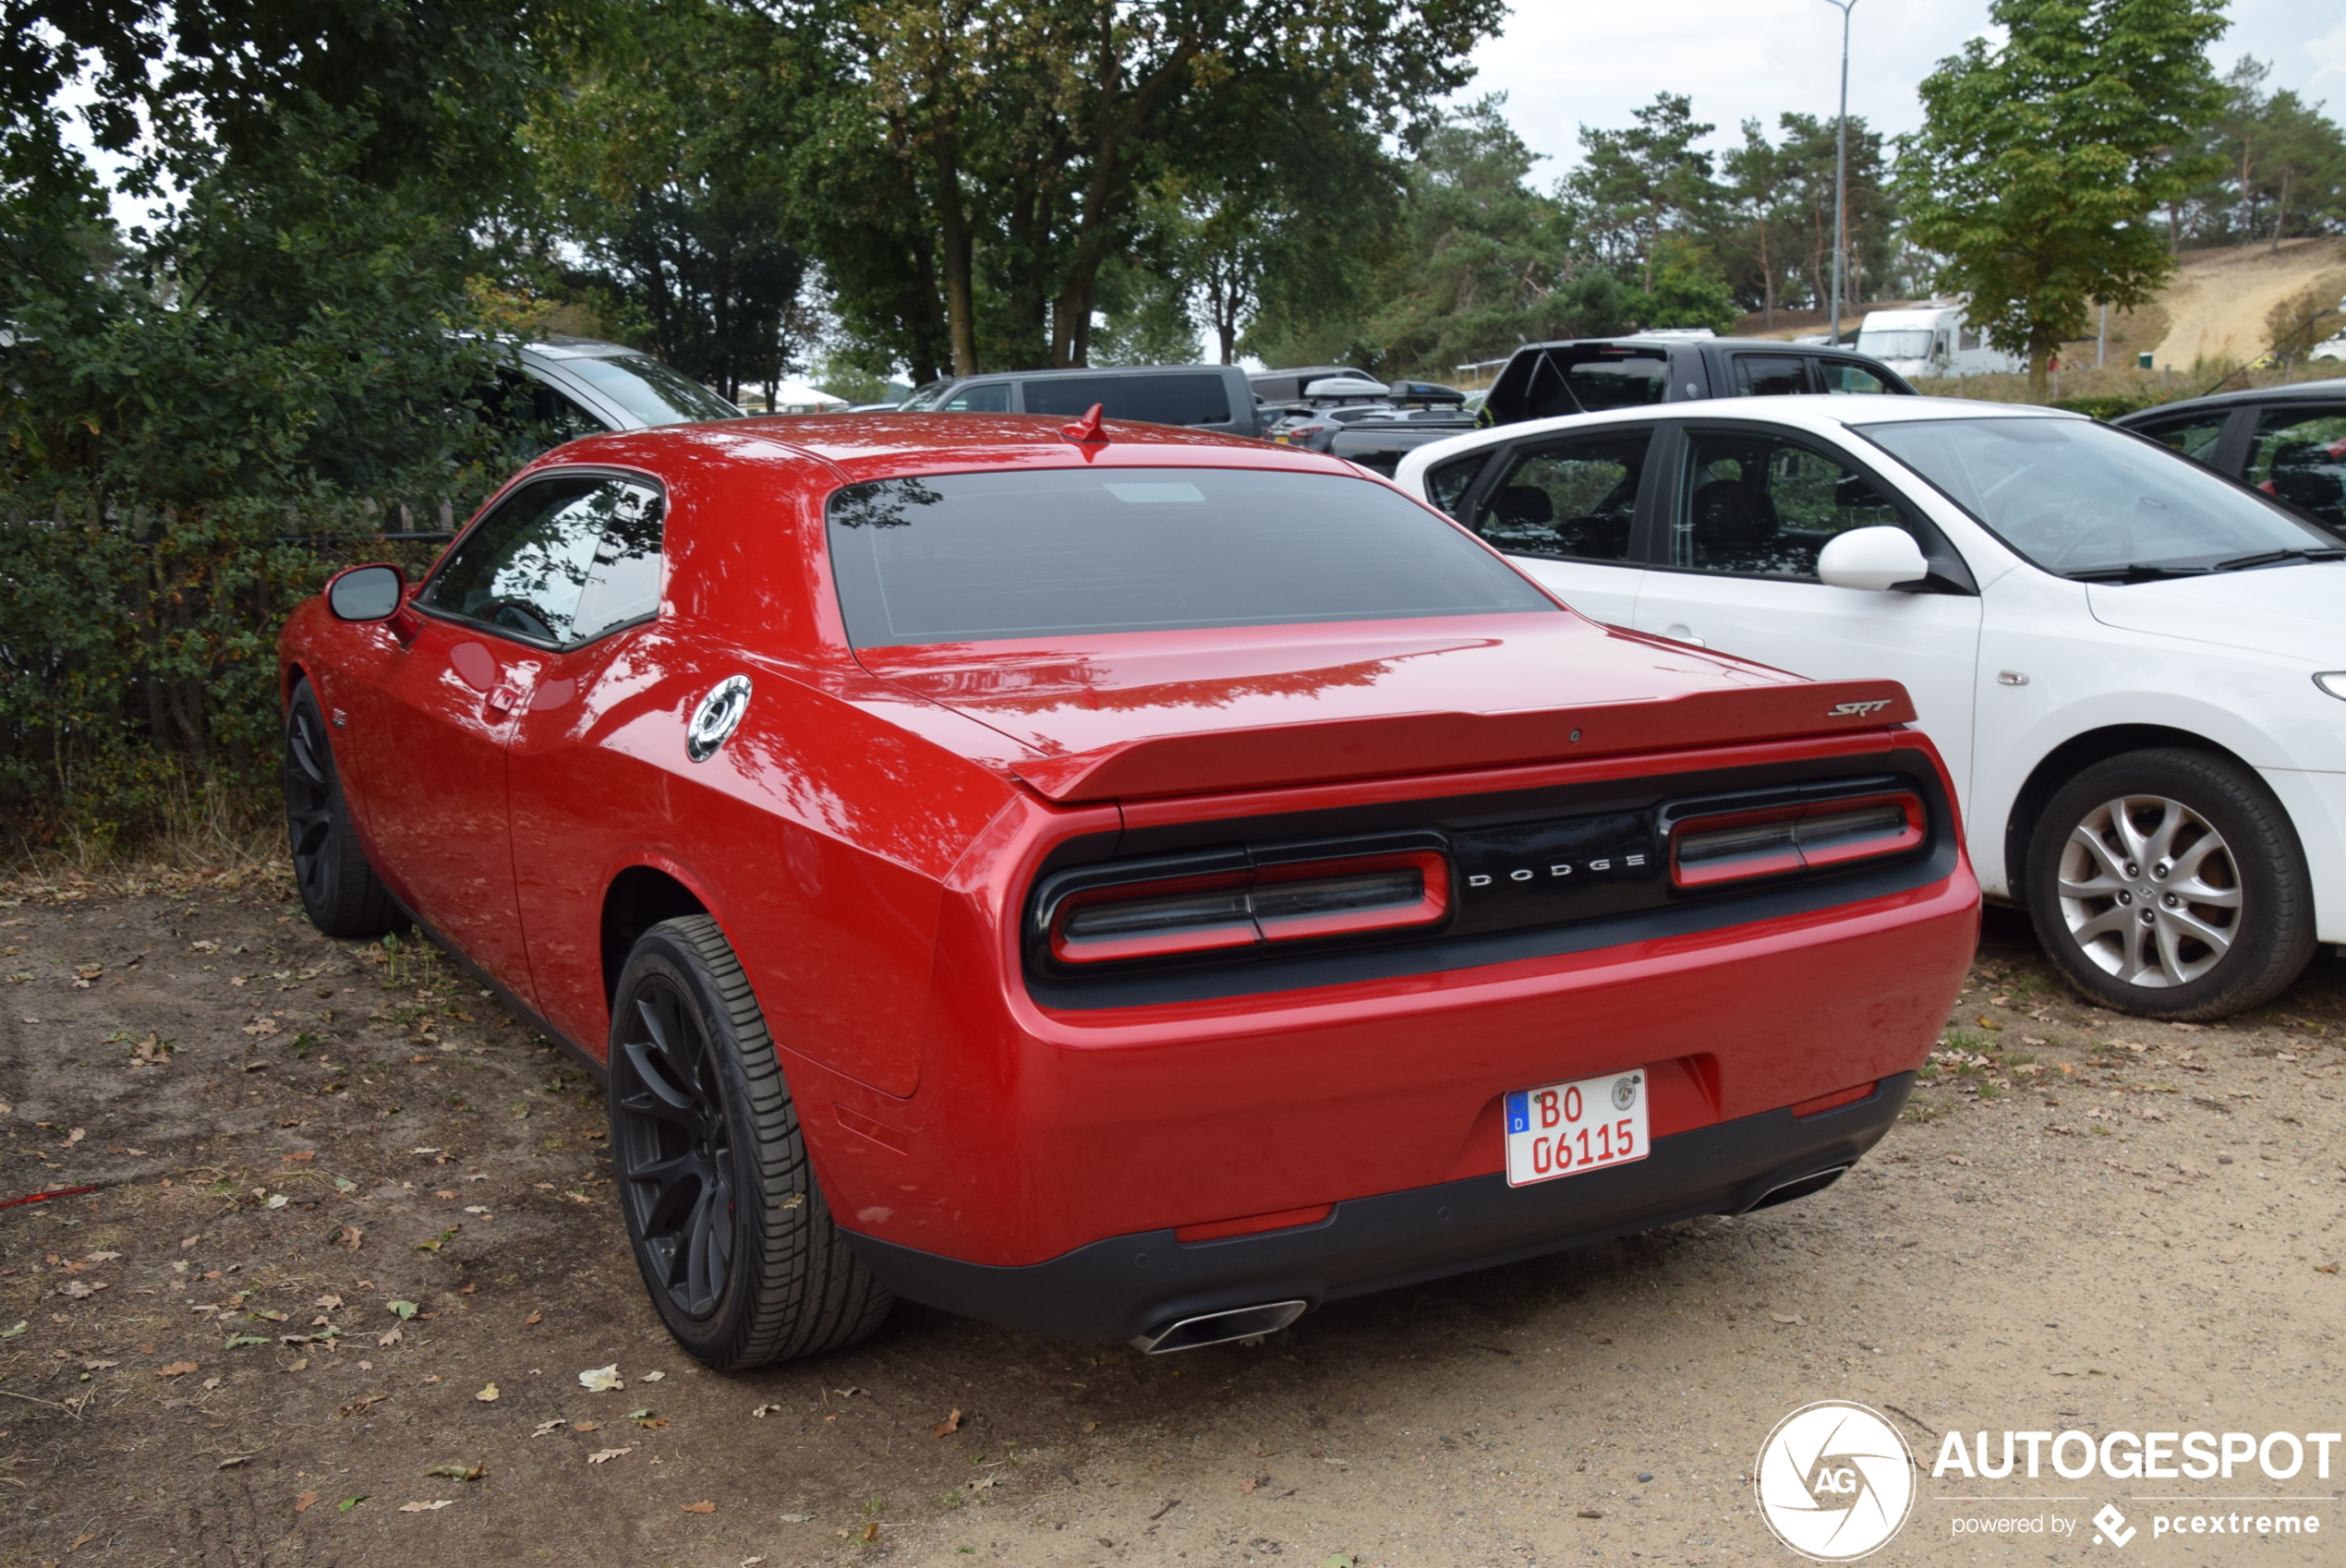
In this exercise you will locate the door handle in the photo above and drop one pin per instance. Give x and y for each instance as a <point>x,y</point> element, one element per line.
<point>1679,631</point>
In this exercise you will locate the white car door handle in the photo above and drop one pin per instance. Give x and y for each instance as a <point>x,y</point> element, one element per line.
<point>1679,631</point>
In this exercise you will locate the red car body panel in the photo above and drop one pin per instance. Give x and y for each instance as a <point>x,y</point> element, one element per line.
<point>868,838</point>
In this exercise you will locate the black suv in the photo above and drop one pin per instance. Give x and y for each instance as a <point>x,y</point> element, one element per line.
<point>2288,441</point>
<point>1200,397</point>
<point>1582,375</point>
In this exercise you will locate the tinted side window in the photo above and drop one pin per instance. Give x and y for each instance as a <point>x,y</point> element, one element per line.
<point>1447,483</point>
<point>1572,500</point>
<point>1758,504</point>
<point>1848,375</point>
<point>1771,375</point>
<point>1153,399</point>
<point>2193,435</point>
<point>987,397</point>
<point>562,560</point>
<point>2299,457</point>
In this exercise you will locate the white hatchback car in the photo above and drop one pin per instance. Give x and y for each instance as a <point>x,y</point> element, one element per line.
<point>2127,660</point>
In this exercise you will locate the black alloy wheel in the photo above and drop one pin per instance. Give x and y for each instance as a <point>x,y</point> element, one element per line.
<point>676,1146</point>
<point>339,889</point>
<point>733,1236</point>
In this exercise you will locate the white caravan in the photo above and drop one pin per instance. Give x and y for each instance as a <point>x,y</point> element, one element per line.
<point>1931,339</point>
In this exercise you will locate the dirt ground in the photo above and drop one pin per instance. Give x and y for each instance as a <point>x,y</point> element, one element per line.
<point>353,1247</point>
<point>2219,298</point>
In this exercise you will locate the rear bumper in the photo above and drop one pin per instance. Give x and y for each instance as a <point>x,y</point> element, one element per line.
<point>1126,1285</point>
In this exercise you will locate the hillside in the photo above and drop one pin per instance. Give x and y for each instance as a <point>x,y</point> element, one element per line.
<point>2217,304</point>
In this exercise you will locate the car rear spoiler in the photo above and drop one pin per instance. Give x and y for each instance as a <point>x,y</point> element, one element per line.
<point>1385,746</point>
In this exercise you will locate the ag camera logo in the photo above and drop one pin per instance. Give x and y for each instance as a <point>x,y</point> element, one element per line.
<point>1836,1481</point>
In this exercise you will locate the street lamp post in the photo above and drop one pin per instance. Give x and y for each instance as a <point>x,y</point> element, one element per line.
<point>1841,170</point>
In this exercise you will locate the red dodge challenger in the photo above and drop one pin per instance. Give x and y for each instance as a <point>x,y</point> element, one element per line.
<point>1115,882</point>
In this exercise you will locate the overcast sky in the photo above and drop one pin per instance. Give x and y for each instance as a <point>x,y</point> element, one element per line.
<point>1563,63</point>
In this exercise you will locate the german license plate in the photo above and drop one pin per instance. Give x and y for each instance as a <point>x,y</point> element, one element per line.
<point>1565,1128</point>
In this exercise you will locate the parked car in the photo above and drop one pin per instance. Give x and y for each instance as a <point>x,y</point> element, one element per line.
<point>2127,661</point>
<point>1375,435</point>
<point>1197,397</point>
<point>1545,380</point>
<point>2288,441</point>
<point>562,388</point>
<point>1114,881</point>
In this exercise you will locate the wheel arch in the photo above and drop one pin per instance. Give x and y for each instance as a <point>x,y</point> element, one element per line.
<point>2072,757</point>
<point>637,899</point>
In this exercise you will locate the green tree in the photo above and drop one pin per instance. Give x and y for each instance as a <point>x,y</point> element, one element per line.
<point>1002,151</point>
<point>280,357</point>
<point>1634,184</point>
<point>2041,162</point>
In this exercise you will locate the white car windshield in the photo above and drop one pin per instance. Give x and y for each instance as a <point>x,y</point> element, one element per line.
<point>2087,501</point>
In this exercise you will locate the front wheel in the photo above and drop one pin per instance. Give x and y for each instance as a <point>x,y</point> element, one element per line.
<point>736,1244</point>
<point>339,889</point>
<point>2170,883</point>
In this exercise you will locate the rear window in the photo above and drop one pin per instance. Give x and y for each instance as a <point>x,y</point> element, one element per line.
<point>1189,399</point>
<point>952,557</point>
<point>1583,380</point>
<point>650,391</point>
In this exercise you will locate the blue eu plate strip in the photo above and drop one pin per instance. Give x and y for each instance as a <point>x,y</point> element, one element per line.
<point>1519,1113</point>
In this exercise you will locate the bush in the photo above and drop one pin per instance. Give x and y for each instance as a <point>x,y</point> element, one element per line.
<point>2108,407</point>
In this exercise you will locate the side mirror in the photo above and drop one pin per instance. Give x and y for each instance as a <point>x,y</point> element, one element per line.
<point>1875,559</point>
<point>366,593</point>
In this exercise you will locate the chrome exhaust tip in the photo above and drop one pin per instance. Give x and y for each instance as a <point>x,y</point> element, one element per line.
<point>1220,1328</point>
<point>1799,1186</point>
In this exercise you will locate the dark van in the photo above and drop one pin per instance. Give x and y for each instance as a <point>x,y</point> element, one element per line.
<point>1542,380</point>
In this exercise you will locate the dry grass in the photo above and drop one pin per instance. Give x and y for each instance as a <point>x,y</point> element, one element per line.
<point>205,841</point>
<point>2147,387</point>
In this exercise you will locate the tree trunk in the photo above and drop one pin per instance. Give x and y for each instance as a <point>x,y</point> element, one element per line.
<point>2280,210</point>
<point>954,240</point>
<point>1767,275</point>
<point>2038,360</point>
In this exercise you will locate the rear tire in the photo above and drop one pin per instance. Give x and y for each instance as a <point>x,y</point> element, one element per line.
<point>735,1241</point>
<point>2169,884</point>
<point>339,889</point>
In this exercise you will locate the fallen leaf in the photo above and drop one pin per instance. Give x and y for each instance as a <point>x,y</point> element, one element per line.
<point>402,1310</point>
<point>1339,1560</point>
<point>582,1426</point>
<point>242,1341</point>
<point>388,1338</point>
<point>427,1507</point>
<point>98,1366</point>
<point>601,1379</point>
<point>1593,1514</point>
<point>298,1364</point>
<point>348,1237</point>
<point>1248,1484</point>
<point>303,1503</point>
<point>17,1328</point>
<point>1787,1316</point>
<point>232,1461</point>
<point>176,1369</point>
<point>300,1154</point>
<point>609,1454</point>
<point>871,1531</point>
<point>1089,1427</point>
<point>457,1472</point>
<point>947,1426</point>
<point>76,1135</point>
<point>356,1406</point>
<point>347,1503</point>
<point>2324,1268</point>
<point>796,1518</point>
<point>545,1426</point>
<point>700,1507</point>
<point>533,1320</point>
<point>488,1394</point>
<point>330,1302</point>
<point>652,1378</point>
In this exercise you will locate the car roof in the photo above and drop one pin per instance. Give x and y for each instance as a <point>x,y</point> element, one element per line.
<point>1664,340</point>
<point>1809,411</point>
<point>1088,370</point>
<point>2331,387</point>
<point>861,447</point>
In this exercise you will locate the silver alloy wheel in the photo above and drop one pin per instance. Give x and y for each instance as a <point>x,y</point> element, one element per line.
<point>2149,890</point>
